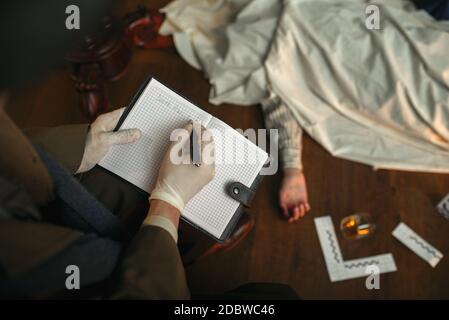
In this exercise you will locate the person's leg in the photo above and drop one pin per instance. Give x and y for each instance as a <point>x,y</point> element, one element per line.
<point>123,199</point>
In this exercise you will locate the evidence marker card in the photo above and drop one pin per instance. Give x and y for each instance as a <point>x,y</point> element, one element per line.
<point>443,207</point>
<point>340,269</point>
<point>417,244</point>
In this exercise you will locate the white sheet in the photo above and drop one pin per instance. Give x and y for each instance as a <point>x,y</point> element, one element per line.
<point>380,97</point>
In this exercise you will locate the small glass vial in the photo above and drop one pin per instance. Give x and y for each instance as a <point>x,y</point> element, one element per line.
<point>356,226</point>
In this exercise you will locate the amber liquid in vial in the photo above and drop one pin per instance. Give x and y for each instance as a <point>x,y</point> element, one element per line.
<point>357,226</point>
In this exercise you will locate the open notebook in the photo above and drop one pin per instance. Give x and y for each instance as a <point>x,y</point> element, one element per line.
<point>157,111</point>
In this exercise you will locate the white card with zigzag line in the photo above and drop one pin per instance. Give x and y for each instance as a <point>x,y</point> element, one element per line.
<point>337,267</point>
<point>417,244</point>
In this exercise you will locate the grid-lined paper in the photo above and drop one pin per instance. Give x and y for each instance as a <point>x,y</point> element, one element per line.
<point>158,112</point>
<point>212,207</point>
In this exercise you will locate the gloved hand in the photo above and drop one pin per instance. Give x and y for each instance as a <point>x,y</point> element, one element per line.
<point>101,137</point>
<point>179,180</point>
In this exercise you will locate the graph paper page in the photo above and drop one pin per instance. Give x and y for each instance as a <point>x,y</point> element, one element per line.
<point>212,208</point>
<point>157,112</point>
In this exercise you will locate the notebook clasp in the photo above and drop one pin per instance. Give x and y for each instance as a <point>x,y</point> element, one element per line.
<point>240,192</point>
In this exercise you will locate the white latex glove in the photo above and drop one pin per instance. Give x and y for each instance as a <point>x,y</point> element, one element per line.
<point>179,180</point>
<point>101,137</point>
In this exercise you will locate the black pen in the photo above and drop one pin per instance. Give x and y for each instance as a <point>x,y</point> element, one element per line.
<point>195,144</point>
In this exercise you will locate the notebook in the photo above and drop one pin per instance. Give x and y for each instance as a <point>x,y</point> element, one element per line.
<point>157,110</point>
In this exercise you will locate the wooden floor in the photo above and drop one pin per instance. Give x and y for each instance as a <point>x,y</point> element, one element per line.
<point>276,251</point>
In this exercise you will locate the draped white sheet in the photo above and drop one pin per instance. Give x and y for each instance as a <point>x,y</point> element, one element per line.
<point>379,97</point>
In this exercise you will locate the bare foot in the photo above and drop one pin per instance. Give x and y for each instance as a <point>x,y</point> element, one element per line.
<point>293,195</point>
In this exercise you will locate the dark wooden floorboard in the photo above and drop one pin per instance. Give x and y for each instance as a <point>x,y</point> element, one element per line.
<point>276,251</point>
